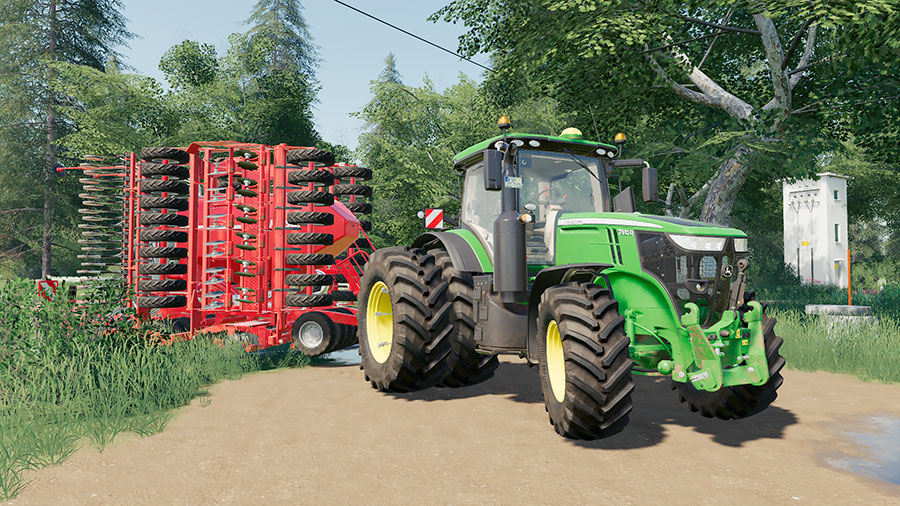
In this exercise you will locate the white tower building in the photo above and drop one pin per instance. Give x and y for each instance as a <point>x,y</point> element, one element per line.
<point>815,228</point>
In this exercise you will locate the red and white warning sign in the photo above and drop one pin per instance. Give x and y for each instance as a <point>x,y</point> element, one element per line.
<point>434,218</point>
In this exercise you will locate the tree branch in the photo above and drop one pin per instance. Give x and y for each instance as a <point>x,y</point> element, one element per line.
<point>720,27</point>
<point>716,38</point>
<point>720,98</point>
<point>775,57</point>
<point>796,42</point>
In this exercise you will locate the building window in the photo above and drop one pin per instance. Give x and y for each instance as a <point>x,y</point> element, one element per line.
<point>837,237</point>
<point>836,195</point>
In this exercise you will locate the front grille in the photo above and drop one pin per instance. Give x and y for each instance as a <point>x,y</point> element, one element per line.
<point>689,276</point>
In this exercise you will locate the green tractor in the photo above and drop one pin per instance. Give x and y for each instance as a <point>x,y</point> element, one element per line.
<point>547,266</point>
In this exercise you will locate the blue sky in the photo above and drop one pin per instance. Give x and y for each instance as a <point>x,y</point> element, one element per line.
<point>352,46</point>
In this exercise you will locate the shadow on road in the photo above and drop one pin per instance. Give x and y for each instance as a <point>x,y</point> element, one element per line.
<point>655,406</point>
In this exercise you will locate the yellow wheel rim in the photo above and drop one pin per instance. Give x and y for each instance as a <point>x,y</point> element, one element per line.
<point>556,362</point>
<point>379,322</point>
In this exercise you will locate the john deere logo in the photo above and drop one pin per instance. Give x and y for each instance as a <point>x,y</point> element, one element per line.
<point>727,271</point>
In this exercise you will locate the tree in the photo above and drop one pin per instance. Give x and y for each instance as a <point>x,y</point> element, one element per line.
<point>751,87</point>
<point>390,74</point>
<point>32,36</point>
<point>411,137</point>
<point>189,64</point>
<point>280,33</point>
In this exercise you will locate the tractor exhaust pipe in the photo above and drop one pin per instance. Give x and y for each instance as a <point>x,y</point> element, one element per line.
<point>510,274</point>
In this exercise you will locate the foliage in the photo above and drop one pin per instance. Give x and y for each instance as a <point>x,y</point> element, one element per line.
<point>189,63</point>
<point>817,343</point>
<point>280,35</point>
<point>72,372</point>
<point>764,97</point>
<point>412,135</point>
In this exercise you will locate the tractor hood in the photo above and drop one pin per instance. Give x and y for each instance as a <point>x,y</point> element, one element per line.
<point>637,221</point>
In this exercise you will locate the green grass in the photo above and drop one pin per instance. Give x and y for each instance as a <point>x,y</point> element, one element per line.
<point>868,351</point>
<point>885,302</point>
<point>67,375</point>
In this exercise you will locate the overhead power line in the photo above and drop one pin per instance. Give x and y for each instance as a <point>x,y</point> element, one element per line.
<point>395,27</point>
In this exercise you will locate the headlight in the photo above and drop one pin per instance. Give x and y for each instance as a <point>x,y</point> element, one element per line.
<point>740,244</point>
<point>698,242</point>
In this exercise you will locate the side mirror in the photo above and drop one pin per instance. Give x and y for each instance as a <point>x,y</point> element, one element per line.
<point>624,201</point>
<point>650,186</point>
<point>493,170</point>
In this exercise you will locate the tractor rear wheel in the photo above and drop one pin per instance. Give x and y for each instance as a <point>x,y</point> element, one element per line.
<point>404,320</point>
<point>584,362</point>
<point>732,403</point>
<point>467,366</point>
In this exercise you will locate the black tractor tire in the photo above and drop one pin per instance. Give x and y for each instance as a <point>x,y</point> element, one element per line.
<point>343,296</point>
<point>170,219</point>
<point>360,173</point>
<point>309,344</point>
<point>162,285</point>
<point>302,300</point>
<point>162,301</point>
<point>466,365</point>
<point>303,238</point>
<point>319,156</point>
<point>164,169</point>
<point>420,325</point>
<point>352,189</point>
<point>733,403</point>
<point>160,186</point>
<point>308,259</point>
<point>309,280</point>
<point>596,362</point>
<point>177,203</point>
<point>163,236</point>
<point>163,252</point>
<point>310,217</point>
<point>299,198</point>
<point>359,207</point>
<point>161,269</point>
<point>322,177</point>
<point>165,153</point>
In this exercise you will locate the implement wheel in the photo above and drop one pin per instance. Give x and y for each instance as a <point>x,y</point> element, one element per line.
<point>584,363</point>
<point>467,366</point>
<point>319,156</point>
<point>404,320</point>
<point>732,403</point>
<point>314,334</point>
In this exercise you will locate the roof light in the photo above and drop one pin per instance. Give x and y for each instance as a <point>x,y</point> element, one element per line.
<point>503,122</point>
<point>620,138</point>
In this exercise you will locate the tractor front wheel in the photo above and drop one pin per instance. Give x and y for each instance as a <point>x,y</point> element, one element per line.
<point>584,362</point>
<point>404,320</point>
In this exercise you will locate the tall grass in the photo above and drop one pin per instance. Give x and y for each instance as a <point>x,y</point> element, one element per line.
<point>885,302</point>
<point>92,372</point>
<point>866,349</point>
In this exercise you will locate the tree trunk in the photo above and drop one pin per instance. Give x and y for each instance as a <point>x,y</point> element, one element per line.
<point>725,188</point>
<point>51,151</point>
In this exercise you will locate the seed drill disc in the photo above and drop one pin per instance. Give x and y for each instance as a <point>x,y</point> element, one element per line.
<point>247,165</point>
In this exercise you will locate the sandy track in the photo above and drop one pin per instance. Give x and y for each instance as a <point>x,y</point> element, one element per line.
<point>320,435</point>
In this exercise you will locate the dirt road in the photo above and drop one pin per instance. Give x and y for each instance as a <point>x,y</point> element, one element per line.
<point>320,435</point>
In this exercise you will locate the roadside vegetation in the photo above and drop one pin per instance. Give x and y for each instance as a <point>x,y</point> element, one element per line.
<point>71,377</point>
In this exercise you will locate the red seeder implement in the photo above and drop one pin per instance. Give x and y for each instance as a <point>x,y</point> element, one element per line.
<point>261,242</point>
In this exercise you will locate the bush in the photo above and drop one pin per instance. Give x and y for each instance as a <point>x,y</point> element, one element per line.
<point>68,372</point>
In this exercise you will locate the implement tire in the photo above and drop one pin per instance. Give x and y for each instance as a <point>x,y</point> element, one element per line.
<point>466,365</point>
<point>584,362</point>
<point>360,173</point>
<point>322,177</point>
<point>162,301</point>
<point>352,189</point>
<point>309,280</point>
<point>404,320</point>
<point>299,198</point>
<point>162,285</point>
<point>359,207</point>
<point>302,238</point>
<point>302,300</point>
<point>165,153</point>
<point>163,236</point>
<point>733,403</point>
<point>171,219</point>
<point>319,156</point>
<point>160,269</point>
<point>314,334</point>
<point>177,203</point>
<point>160,186</point>
<point>310,217</point>
<point>308,259</point>
<point>162,252</point>
<point>164,169</point>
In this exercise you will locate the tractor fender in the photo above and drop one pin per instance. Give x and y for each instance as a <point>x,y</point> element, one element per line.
<point>461,253</point>
<point>546,278</point>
